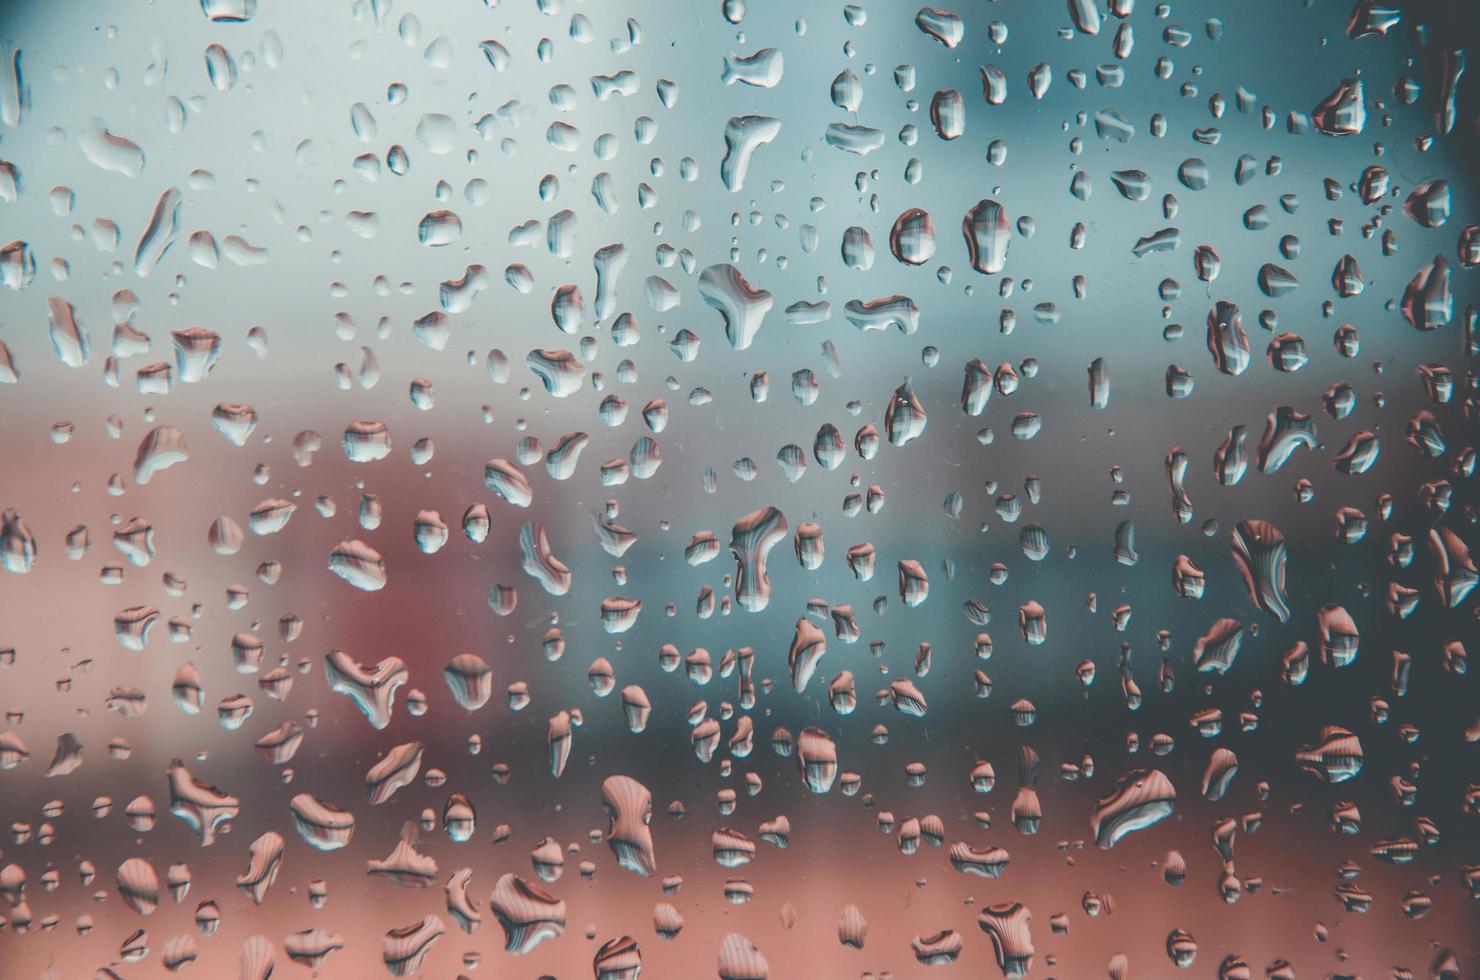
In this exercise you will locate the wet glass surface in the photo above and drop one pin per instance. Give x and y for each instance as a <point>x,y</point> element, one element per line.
<point>737,489</point>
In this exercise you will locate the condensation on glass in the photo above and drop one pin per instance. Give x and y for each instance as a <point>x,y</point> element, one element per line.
<point>738,489</point>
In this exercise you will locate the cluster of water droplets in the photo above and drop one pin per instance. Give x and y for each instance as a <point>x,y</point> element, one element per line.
<point>411,612</point>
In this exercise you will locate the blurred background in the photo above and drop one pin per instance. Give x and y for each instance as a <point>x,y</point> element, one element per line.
<point>298,140</point>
